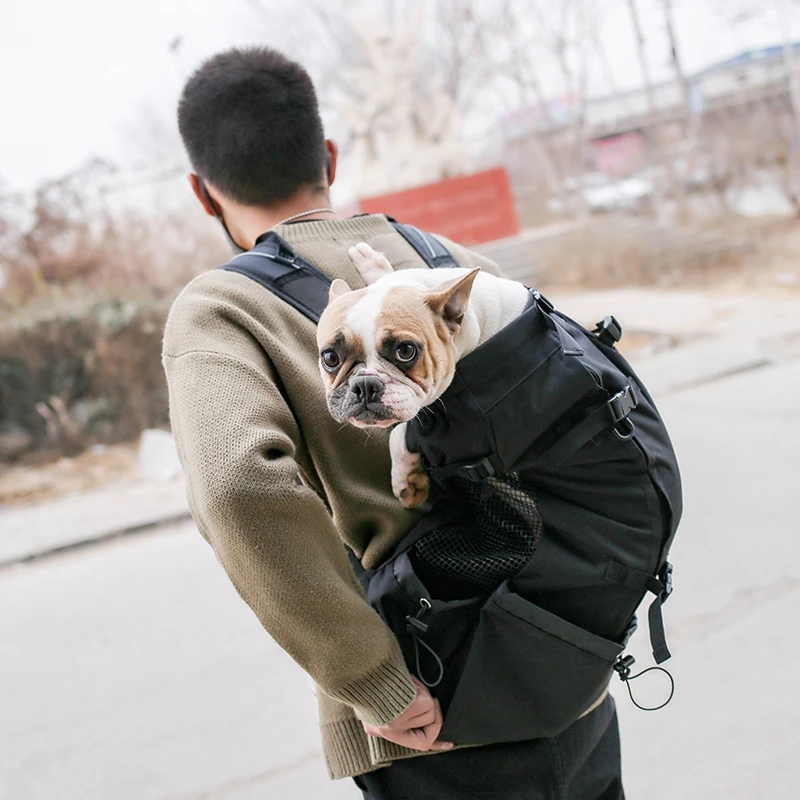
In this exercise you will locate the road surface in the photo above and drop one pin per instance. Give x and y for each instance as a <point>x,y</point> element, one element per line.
<point>131,670</point>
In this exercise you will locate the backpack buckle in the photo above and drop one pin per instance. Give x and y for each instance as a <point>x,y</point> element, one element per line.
<point>608,331</point>
<point>478,472</point>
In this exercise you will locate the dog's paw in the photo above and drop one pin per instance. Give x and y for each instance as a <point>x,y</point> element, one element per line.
<point>412,488</point>
<point>370,264</point>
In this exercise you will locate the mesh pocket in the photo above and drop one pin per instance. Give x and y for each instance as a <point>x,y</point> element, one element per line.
<point>493,539</point>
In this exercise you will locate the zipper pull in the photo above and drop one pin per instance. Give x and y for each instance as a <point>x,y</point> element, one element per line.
<point>415,623</point>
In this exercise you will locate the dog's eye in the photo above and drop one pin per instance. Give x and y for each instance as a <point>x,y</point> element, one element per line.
<point>330,360</point>
<point>406,351</point>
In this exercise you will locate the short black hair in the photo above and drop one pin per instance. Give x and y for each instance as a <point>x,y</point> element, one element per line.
<point>250,123</point>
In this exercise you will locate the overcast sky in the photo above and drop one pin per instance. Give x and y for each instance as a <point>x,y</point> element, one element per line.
<point>82,78</point>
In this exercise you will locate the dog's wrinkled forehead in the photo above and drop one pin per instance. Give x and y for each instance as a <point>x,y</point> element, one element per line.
<point>361,321</point>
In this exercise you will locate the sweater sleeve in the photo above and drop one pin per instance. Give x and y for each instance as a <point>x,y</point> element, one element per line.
<point>238,442</point>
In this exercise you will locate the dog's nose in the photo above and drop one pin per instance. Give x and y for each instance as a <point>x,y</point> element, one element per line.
<point>366,389</point>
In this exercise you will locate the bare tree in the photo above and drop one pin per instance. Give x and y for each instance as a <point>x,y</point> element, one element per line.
<point>659,150</point>
<point>782,18</point>
<point>677,66</point>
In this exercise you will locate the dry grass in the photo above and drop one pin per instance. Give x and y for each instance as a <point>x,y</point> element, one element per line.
<point>46,476</point>
<point>610,252</point>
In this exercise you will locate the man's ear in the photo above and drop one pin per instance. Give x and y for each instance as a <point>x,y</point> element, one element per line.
<point>450,299</point>
<point>333,157</point>
<point>201,193</point>
<point>338,288</point>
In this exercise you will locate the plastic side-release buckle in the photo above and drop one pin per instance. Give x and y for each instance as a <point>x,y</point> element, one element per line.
<point>477,472</point>
<point>608,331</point>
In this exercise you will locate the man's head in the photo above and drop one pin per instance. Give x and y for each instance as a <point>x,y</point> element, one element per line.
<point>387,351</point>
<point>250,123</point>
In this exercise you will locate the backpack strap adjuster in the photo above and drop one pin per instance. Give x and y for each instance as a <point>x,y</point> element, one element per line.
<point>285,257</point>
<point>623,402</point>
<point>543,302</point>
<point>666,580</point>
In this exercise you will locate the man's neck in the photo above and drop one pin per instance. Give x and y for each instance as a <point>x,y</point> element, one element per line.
<point>251,222</point>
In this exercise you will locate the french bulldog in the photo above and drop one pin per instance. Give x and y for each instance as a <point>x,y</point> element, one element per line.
<point>390,349</point>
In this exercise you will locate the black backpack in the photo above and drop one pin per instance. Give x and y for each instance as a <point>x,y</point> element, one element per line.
<point>556,496</point>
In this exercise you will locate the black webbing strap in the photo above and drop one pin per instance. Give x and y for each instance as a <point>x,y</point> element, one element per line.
<point>274,264</point>
<point>661,586</point>
<point>613,412</point>
<point>658,638</point>
<point>429,248</point>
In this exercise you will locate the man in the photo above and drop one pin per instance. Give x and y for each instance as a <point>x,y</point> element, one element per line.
<point>249,416</point>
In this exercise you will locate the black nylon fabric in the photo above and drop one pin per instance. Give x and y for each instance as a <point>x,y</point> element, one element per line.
<point>610,501</point>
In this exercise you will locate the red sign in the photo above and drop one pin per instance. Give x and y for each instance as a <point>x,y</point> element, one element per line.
<point>469,210</point>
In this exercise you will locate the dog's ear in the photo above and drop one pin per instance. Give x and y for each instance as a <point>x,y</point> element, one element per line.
<point>450,299</point>
<point>338,288</point>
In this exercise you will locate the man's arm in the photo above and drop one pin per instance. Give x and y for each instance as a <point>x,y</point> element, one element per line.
<point>238,442</point>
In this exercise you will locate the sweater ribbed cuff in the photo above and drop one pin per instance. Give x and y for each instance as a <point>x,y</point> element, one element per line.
<point>382,752</point>
<point>346,749</point>
<point>381,696</point>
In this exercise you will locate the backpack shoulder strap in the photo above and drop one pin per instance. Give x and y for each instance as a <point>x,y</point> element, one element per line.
<point>428,248</point>
<point>274,264</point>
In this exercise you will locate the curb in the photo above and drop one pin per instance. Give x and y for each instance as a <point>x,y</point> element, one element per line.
<point>80,544</point>
<point>76,520</point>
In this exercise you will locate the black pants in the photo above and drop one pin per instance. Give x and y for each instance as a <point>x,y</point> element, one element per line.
<point>582,763</point>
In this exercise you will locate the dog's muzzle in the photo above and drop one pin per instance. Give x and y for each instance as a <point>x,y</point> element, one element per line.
<point>360,400</point>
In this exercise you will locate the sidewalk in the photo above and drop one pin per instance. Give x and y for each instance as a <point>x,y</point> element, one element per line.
<point>717,334</point>
<point>31,531</point>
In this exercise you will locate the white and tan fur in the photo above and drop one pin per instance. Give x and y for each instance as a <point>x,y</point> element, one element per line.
<point>442,314</point>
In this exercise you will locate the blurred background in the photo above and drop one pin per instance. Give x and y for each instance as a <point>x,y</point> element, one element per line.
<point>634,157</point>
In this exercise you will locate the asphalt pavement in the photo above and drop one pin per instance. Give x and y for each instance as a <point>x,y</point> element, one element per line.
<point>131,670</point>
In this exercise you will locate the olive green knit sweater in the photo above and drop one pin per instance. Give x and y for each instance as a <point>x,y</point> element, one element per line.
<point>248,413</point>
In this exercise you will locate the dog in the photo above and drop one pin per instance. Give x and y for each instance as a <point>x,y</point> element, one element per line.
<point>390,349</point>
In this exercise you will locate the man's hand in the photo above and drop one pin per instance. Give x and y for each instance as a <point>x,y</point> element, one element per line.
<point>418,726</point>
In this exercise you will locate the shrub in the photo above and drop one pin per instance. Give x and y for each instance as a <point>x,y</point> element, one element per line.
<point>83,369</point>
<point>86,286</point>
